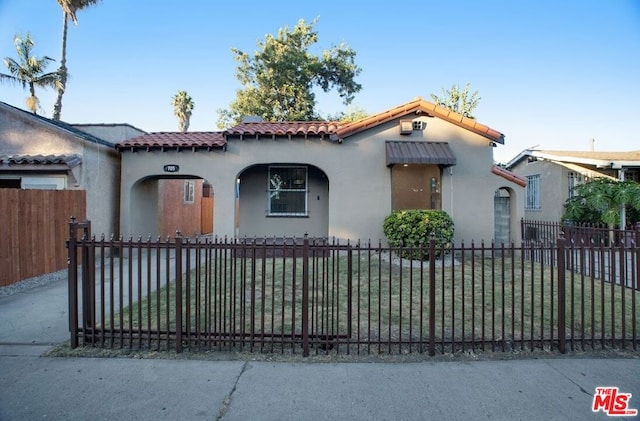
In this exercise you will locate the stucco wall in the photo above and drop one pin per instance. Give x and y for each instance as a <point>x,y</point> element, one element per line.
<point>554,189</point>
<point>99,173</point>
<point>359,179</point>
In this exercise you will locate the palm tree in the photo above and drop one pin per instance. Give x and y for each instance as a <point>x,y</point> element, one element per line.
<point>182,108</point>
<point>69,9</point>
<point>29,71</point>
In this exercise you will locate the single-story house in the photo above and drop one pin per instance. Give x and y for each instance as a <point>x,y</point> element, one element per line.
<point>39,153</point>
<point>329,179</point>
<point>551,176</point>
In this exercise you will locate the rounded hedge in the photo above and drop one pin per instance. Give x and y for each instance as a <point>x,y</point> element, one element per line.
<point>408,229</point>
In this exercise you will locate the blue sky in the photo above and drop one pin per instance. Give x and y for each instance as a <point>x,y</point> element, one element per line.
<point>550,73</point>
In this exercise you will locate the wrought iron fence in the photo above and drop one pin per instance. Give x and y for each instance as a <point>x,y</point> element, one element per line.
<point>309,295</point>
<point>596,234</point>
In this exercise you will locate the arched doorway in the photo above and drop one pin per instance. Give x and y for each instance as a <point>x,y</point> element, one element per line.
<point>161,206</point>
<point>282,200</point>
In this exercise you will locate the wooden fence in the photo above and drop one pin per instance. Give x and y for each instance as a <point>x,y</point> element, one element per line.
<point>34,229</point>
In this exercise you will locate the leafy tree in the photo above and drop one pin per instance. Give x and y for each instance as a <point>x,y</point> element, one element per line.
<point>278,80</point>
<point>69,9</point>
<point>458,100</point>
<point>182,108</point>
<point>599,201</point>
<point>350,115</point>
<point>28,71</point>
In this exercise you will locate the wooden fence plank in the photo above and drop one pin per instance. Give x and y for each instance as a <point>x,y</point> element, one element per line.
<point>34,231</point>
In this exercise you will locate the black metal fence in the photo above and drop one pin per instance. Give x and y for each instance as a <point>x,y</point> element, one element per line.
<point>596,234</point>
<point>317,296</point>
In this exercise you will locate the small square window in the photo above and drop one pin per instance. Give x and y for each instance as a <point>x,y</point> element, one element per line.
<point>417,125</point>
<point>189,189</point>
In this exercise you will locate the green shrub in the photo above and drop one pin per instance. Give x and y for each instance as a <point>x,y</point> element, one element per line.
<point>409,229</point>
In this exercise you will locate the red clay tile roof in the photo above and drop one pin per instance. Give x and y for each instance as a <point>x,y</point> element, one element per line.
<point>333,129</point>
<point>339,131</point>
<point>159,140</point>
<point>70,161</point>
<point>420,106</point>
<point>508,175</point>
<point>284,128</point>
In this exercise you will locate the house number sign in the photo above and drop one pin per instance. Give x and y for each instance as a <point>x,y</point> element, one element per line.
<point>171,168</point>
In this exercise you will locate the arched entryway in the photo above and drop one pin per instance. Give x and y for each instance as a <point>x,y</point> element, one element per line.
<point>161,206</point>
<point>282,199</point>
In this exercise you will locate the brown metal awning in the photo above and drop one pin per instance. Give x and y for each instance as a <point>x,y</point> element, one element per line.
<point>436,153</point>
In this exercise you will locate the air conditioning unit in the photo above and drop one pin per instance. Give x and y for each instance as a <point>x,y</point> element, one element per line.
<point>406,127</point>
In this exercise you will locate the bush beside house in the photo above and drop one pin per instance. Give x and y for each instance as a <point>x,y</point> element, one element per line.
<point>411,229</point>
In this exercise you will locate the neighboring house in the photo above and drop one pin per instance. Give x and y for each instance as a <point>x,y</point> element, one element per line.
<point>330,179</point>
<point>551,176</point>
<point>112,133</point>
<point>39,153</point>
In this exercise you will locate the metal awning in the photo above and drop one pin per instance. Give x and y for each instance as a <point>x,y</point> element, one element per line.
<point>403,152</point>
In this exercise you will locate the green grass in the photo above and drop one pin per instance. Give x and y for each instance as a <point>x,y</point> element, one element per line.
<point>504,299</point>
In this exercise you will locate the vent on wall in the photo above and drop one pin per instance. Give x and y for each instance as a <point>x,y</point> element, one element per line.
<point>406,127</point>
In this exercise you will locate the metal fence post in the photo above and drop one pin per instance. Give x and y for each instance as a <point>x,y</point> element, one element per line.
<point>178,243</point>
<point>562,345</point>
<point>88,284</point>
<point>305,296</point>
<point>637,249</point>
<point>432,296</point>
<point>72,273</point>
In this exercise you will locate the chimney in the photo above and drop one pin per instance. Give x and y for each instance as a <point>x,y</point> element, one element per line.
<point>593,145</point>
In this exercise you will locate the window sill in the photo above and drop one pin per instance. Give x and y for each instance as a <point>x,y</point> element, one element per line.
<point>287,215</point>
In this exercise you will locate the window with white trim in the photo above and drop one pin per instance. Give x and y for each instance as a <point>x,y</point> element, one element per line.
<point>533,192</point>
<point>189,189</point>
<point>573,180</point>
<point>287,191</point>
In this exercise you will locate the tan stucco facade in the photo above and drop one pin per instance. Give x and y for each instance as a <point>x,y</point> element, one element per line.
<point>350,204</point>
<point>553,189</point>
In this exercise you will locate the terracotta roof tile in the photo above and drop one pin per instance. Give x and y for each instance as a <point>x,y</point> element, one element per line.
<point>158,140</point>
<point>508,175</point>
<point>283,128</point>
<point>13,160</point>
<point>335,130</point>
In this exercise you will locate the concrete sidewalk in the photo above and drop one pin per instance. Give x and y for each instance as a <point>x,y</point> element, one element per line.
<point>35,387</point>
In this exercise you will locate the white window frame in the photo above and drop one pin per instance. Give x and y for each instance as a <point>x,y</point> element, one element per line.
<point>573,179</point>
<point>274,189</point>
<point>189,191</point>
<point>533,192</point>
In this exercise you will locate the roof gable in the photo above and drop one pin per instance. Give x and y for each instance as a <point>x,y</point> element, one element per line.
<point>420,106</point>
